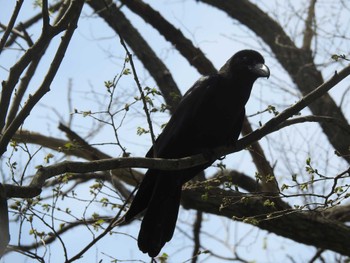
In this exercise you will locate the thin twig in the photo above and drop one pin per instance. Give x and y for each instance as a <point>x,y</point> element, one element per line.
<point>196,235</point>
<point>143,98</point>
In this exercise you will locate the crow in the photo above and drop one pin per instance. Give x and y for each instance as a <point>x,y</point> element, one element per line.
<point>209,115</point>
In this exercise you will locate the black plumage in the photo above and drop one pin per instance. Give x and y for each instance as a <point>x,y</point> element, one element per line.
<point>210,115</point>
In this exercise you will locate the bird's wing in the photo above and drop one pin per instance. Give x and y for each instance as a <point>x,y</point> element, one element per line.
<point>180,126</point>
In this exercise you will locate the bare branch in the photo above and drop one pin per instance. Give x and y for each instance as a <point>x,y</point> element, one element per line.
<point>10,24</point>
<point>143,98</point>
<point>312,118</point>
<point>196,234</point>
<point>296,108</point>
<point>46,16</point>
<point>304,227</point>
<point>309,22</point>
<point>4,226</point>
<point>22,88</point>
<point>82,150</point>
<point>90,152</point>
<point>28,23</point>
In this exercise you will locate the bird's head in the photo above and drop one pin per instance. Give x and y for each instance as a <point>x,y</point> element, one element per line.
<point>246,62</point>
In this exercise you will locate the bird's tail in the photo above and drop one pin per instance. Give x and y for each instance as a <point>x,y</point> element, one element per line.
<point>159,222</point>
<point>142,197</point>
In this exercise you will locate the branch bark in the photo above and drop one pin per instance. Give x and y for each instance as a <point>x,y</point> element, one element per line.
<point>310,228</point>
<point>4,219</point>
<point>10,24</point>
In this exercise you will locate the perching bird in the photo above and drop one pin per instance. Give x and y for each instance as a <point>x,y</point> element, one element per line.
<point>210,115</point>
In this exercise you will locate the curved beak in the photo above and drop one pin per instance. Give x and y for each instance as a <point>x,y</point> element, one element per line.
<point>261,70</point>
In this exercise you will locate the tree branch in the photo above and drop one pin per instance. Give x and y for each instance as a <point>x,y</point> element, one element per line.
<point>196,235</point>
<point>10,24</point>
<point>308,31</point>
<point>60,231</point>
<point>28,23</point>
<point>313,118</point>
<point>4,219</point>
<point>306,227</point>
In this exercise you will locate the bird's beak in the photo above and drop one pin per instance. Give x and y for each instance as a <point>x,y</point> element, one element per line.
<point>261,70</point>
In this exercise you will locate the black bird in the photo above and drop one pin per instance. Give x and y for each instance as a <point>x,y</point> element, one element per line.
<point>209,115</point>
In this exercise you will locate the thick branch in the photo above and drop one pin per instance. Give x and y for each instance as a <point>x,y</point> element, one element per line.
<point>305,227</point>
<point>79,149</point>
<point>4,219</point>
<point>309,32</point>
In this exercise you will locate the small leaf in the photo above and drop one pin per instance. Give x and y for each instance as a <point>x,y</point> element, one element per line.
<point>308,161</point>
<point>335,57</point>
<point>86,113</point>
<point>127,71</point>
<point>284,187</point>
<point>205,197</point>
<point>48,157</point>
<point>127,106</point>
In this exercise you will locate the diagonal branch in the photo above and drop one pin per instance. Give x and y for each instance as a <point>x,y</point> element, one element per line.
<point>308,31</point>
<point>10,24</point>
